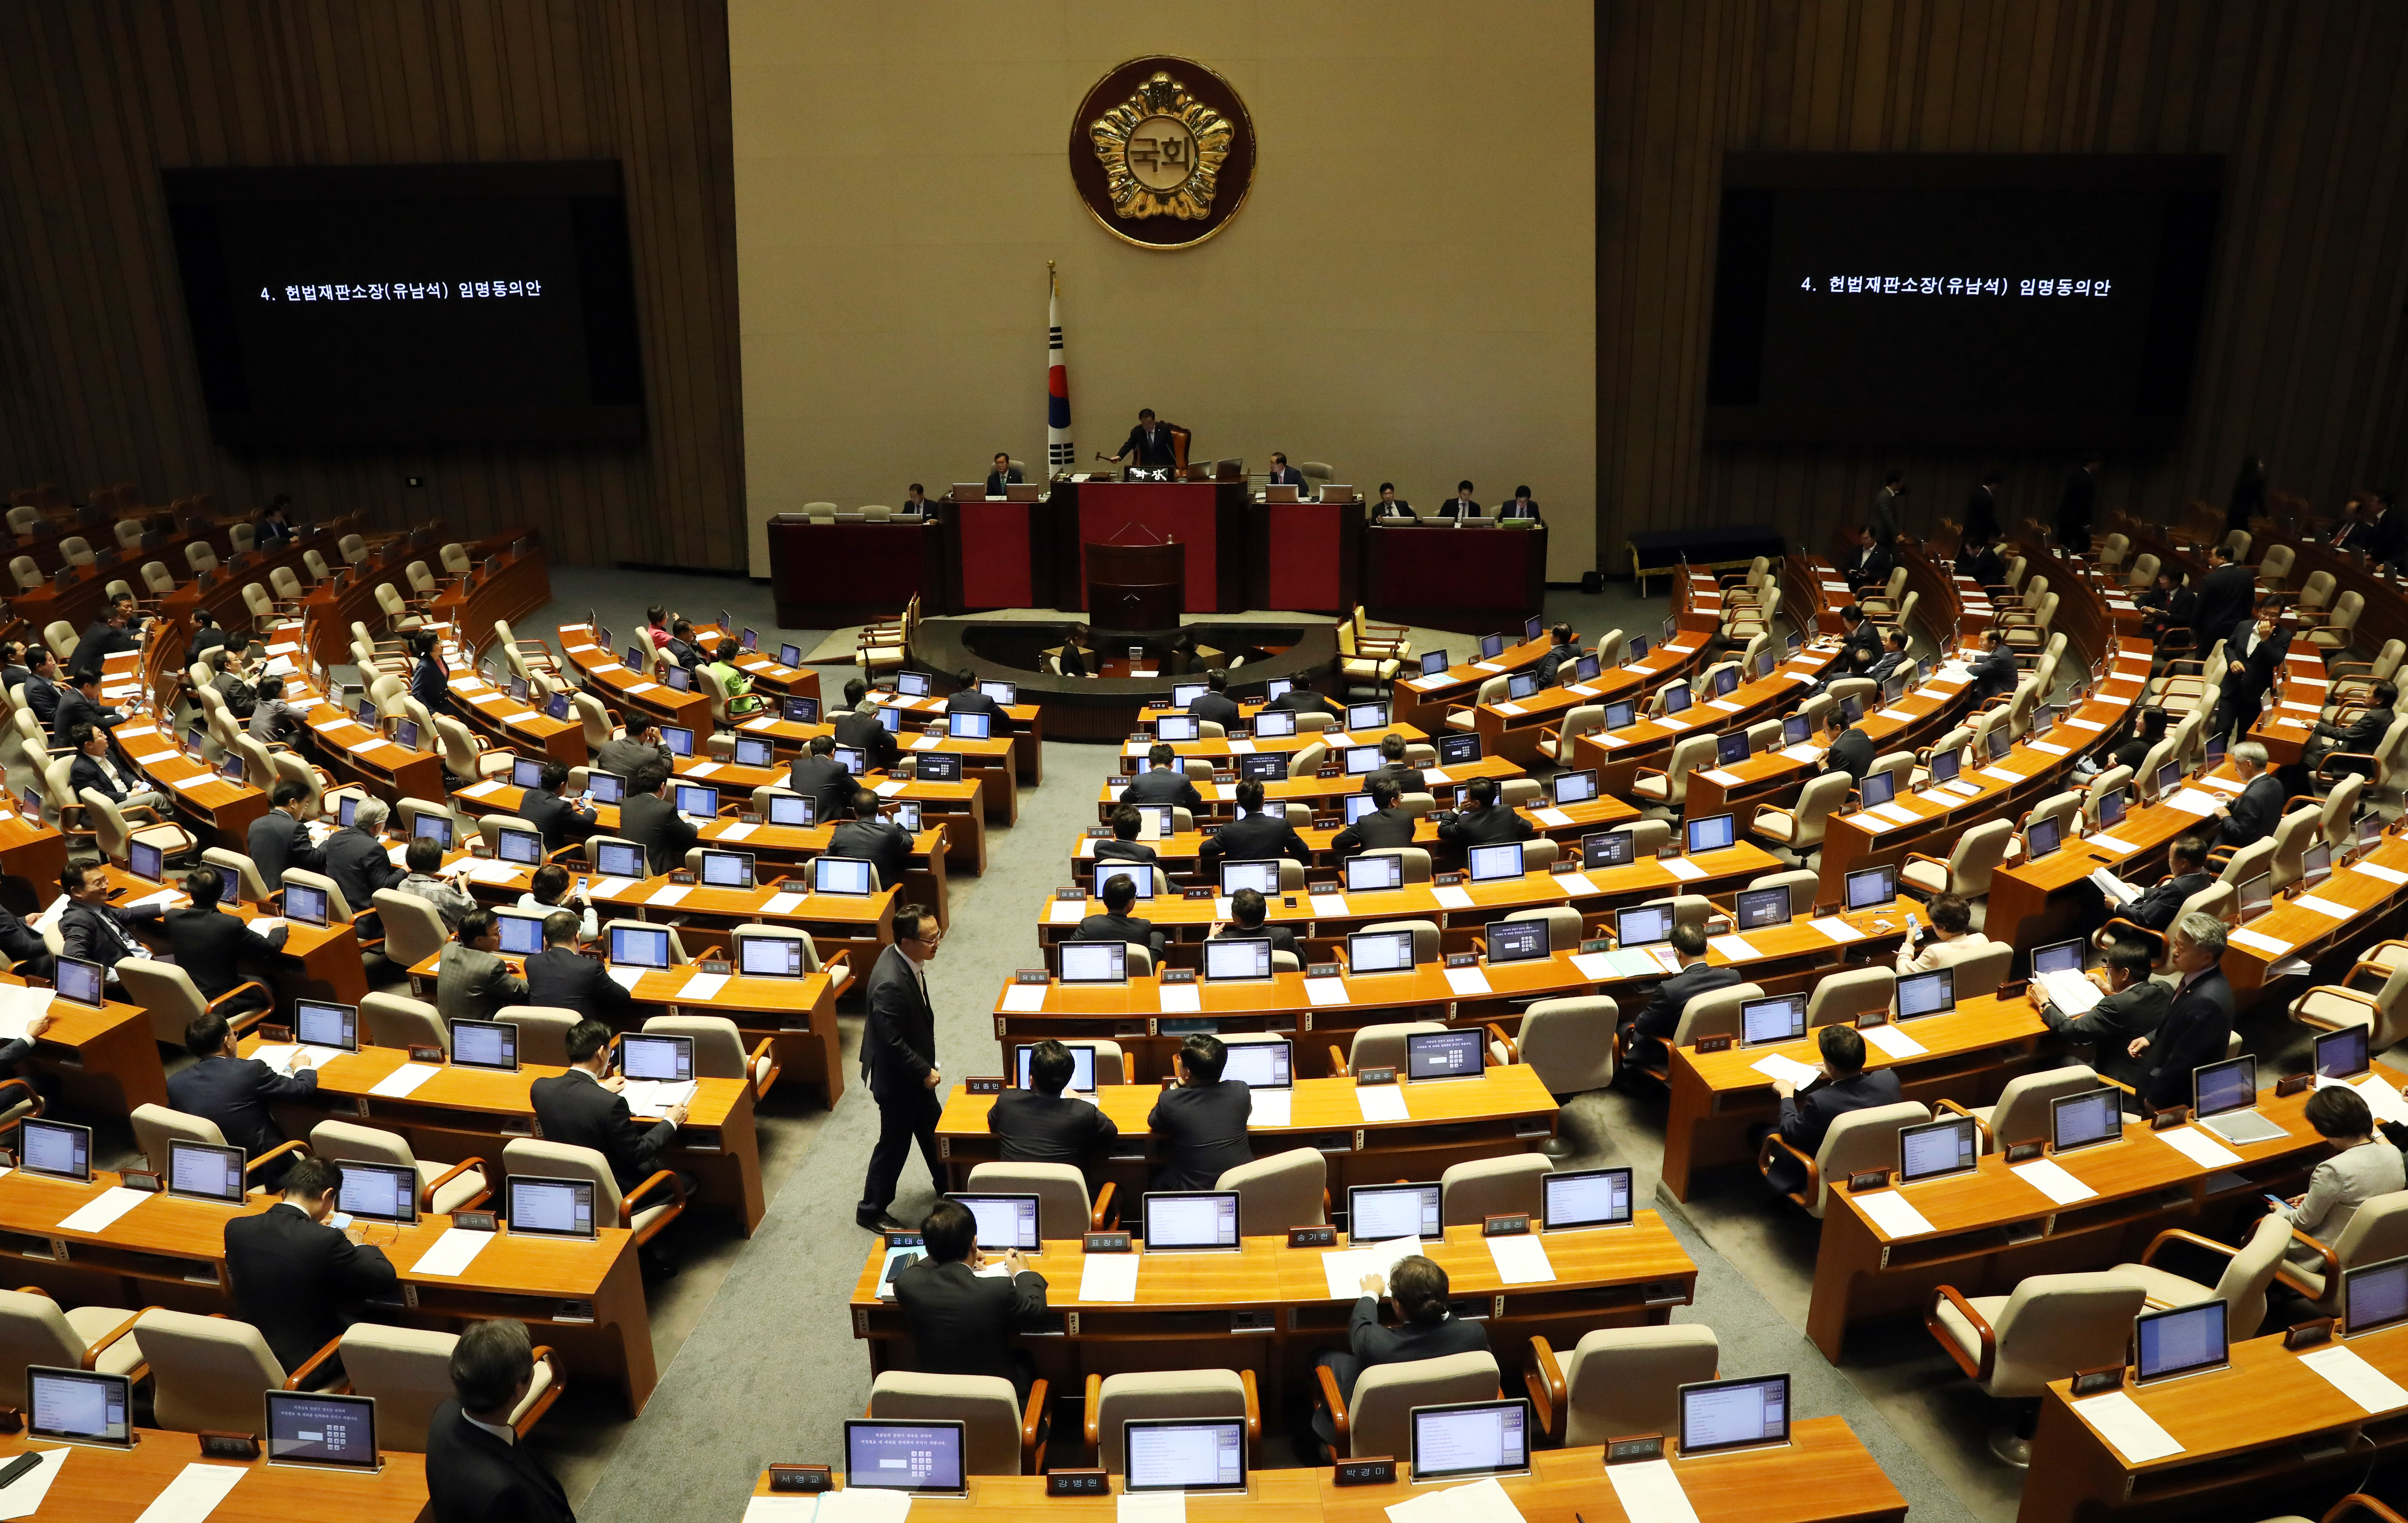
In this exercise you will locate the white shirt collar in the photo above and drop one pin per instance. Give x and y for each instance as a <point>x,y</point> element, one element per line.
<point>500,1431</point>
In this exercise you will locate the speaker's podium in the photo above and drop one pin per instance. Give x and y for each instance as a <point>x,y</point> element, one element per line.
<point>1138,589</point>
<point>1205,520</point>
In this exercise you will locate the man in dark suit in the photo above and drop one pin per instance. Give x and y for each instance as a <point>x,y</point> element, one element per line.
<point>2075,504</point>
<point>208,636</point>
<point>816,774</point>
<point>356,861</point>
<point>274,529</point>
<point>2226,596</point>
<point>1283,474</point>
<point>1002,475</point>
<point>2250,673</point>
<point>1214,704</point>
<point>1200,1122</point>
<point>93,929</point>
<point>477,1472</point>
<point>278,839</point>
<point>898,1058</point>
<point>1392,506</point>
<point>2349,530</point>
<point>1116,924</point>
<point>2131,1005</point>
<point>2187,874</point>
<point>2386,532</point>
<point>1163,783</point>
<point>96,770</point>
<point>42,690</point>
<point>1149,445</point>
<point>1426,1329</point>
<point>1305,699</point>
<point>1862,636</point>
<point>2198,1022</point>
<point>1806,1116</point>
<point>23,947</point>
<point>80,704</point>
<point>583,1107</point>
<point>961,1321</point>
<point>2168,608</point>
<point>1893,657</point>
<point>1520,508</point>
<point>1387,825</point>
<point>1487,822</point>
<point>209,944</point>
<point>427,681</point>
<point>471,979</point>
<point>1868,570</point>
<point>967,699</point>
<point>1460,506</point>
<point>1039,1126</point>
<point>1248,912</point>
<point>1850,749</point>
<point>862,729</point>
<point>1257,833</point>
<point>234,1092</point>
<point>103,638</point>
<point>2251,817</point>
<point>683,648</point>
<point>621,755</point>
<point>884,843</point>
<point>296,1279</point>
<point>2359,737</point>
<point>1980,560</point>
<point>1882,516</point>
<point>1564,652</point>
<point>561,822</point>
<point>1994,671</point>
<point>564,978</point>
<point>647,818</point>
<point>1125,846</point>
<point>1661,1015</point>
<point>1982,510</point>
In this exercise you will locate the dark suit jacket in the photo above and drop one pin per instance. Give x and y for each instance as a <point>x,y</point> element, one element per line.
<point>1382,827</point>
<point>1256,837</point>
<point>84,931</point>
<point>882,841</point>
<point>357,863</point>
<point>277,840</point>
<point>962,1325</point>
<point>1283,476</point>
<point>1282,940</point>
<point>2360,736</point>
<point>1112,927</point>
<point>899,1040</point>
<point>1556,660</point>
<point>235,1093</point>
<point>568,980</point>
<point>1514,508</point>
<point>865,732</point>
<point>21,943</point>
<point>1486,826</point>
<point>1871,568</point>
<point>1852,753</point>
<point>1305,701</point>
<point>998,480</point>
<point>2110,1025</point>
<point>1994,674</point>
<point>42,697</point>
<point>269,533</point>
<point>1985,568</point>
<point>1163,785</point>
<point>2255,813</point>
<point>294,1278</point>
<point>2194,1030</point>
<point>1199,1134</point>
<point>654,822</point>
<point>2156,908</point>
<point>821,778</point>
<point>1458,507</point>
<point>1806,1117</point>
<point>1373,1344</point>
<point>2226,596</point>
<point>75,709</point>
<point>560,821</point>
<point>1149,451</point>
<point>1125,851</point>
<point>85,772</point>
<point>2248,679</point>
<point>209,944</point>
<point>474,1478</point>
<point>426,682</point>
<point>1216,707</point>
<point>96,644</point>
<point>1050,1129</point>
<point>575,1109</point>
<point>1981,514</point>
<point>969,700</point>
<point>1661,1016</point>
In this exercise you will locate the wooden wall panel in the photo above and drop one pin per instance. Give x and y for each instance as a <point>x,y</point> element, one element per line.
<point>96,377</point>
<point>2302,354</point>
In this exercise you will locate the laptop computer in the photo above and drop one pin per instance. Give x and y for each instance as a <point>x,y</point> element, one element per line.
<point>1370,874</point>
<point>1937,1149</point>
<point>1384,1213</point>
<point>323,1430</point>
<point>202,1172</point>
<point>1230,958</point>
<point>485,1044</point>
<point>551,1208</point>
<point>78,1406</point>
<point>2373,1296</point>
<point>2224,1100</point>
<point>1432,1055</point>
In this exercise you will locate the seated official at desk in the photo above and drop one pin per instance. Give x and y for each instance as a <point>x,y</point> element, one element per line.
<point>43,687</point>
<point>426,880</point>
<point>734,681</point>
<point>1078,658</point>
<point>817,774</point>
<point>563,978</point>
<point>1039,1126</point>
<point>2131,1005</point>
<point>584,1108</point>
<point>90,928</point>
<point>27,954</point>
<point>1660,1018</point>
<point>548,891</point>
<point>477,1471</point>
<point>2155,910</point>
<point>1392,506</point>
<point>1125,846</point>
<point>1215,706</point>
<point>961,1322</point>
<point>864,834</point>
<point>2362,1167</point>
<point>1426,1329</point>
<point>272,718</point>
<point>1564,652</point>
<point>2168,608</point>
<point>967,699</point>
<point>683,648</point>
<point>1460,506</point>
<point>1485,822</point>
<point>1993,669</point>
<point>860,729</point>
<point>621,755</point>
<point>299,1281</point>
<point>208,635</point>
<point>1388,825</point>
<point>1953,938</point>
<point>1283,474</point>
<point>1395,768</point>
<point>1005,474</point>
<point>1200,1122</point>
<point>1163,783</point>
<point>1846,748</point>
<point>96,770</point>
<point>2251,817</point>
<point>1893,657</point>
<point>471,979</point>
<point>79,704</point>
<point>273,530</point>
<point>356,861</point>
<point>1302,699</point>
<point>1806,1115</point>
<point>2148,728</point>
<point>231,677</point>
<point>1117,924</point>
<point>1248,910</point>
<point>232,1092</point>
<point>2198,1023</point>
<point>1520,508</point>
<point>915,501</point>
<point>1257,834</point>
<point>209,944</point>
<point>649,819</point>
<point>561,822</point>
<point>2359,737</point>
<point>279,839</point>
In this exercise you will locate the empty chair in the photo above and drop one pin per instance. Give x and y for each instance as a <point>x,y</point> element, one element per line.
<point>1063,1207</point>
<point>1114,1401</point>
<point>1569,1042</point>
<point>2052,1326</point>
<point>155,1127</point>
<point>413,927</point>
<point>560,1160</point>
<point>35,1329</point>
<point>2021,1112</point>
<point>394,1020</point>
<point>1799,828</point>
<point>1619,1381</point>
<point>173,1001</point>
<point>442,1187</point>
<point>206,1372</point>
<point>996,1439</point>
<point>1969,869</point>
<point>1670,788</point>
<point>1383,1044</point>
<point>1425,936</point>
<point>543,1036</point>
<point>1287,1189</point>
<point>1841,997</point>
<point>1376,1419</point>
<point>2249,1271</point>
<point>2337,630</point>
<point>1474,1190</point>
<point>1803,885</point>
<point>409,1373</point>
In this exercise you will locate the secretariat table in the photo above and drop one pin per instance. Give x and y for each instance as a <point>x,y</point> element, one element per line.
<point>1444,578</point>
<point>824,574</point>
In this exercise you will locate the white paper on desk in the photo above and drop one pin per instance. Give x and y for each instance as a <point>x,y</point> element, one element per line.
<point>1717,774</point>
<point>1999,774</point>
<point>1242,748</point>
<point>1271,1107</point>
<point>1520,1260</point>
<point>1025,998</point>
<point>1608,739</point>
<point>653,1097</point>
<point>1452,897</point>
<point>779,1509</point>
<point>2121,1422</point>
<point>2068,991</point>
<point>1432,774</point>
<point>480,790</point>
<point>1425,684</point>
<point>1066,911</point>
<point>1327,991</point>
<point>96,1213</point>
<point>193,1494</point>
<point>1582,690</point>
<point>2046,748</point>
<point>1382,1102</point>
<point>2193,801</point>
<point>1180,999</point>
<point>889,788</point>
<point>627,978</point>
<point>1344,1268</point>
<point>928,741</point>
<point>2111,844</point>
<point>1964,789</point>
<point>361,748</point>
<point>1889,1039</point>
<point>700,988</point>
<point>737,832</point>
<point>1893,1214</point>
<point>2381,875</point>
<point>1109,1277</point>
<point>670,893</point>
<point>23,1498</point>
<point>1873,822</point>
<point>1481,1501</point>
<point>1328,904</point>
<point>1802,751</point>
<point>1151,1507</point>
<point>494,872</point>
<point>1486,665</point>
<point>1726,705</point>
<point>2261,942</point>
<point>2323,906</point>
<point>1576,884</point>
<point>782,904</point>
<point>761,724</point>
<point>1682,868</point>
<point>1509,708</point>
<point>1735,948</point>
<point>449,1255</point>
<point>1650,1491</point>
<point>1836,928</point>
<point>1899,812</point>
<point>2049,1177</point>
<point>1551,816</point>
<point>1776,1066</point>
<point>2086,724</point>
<point>1468,981</point>
<point>2198,1147</point>
<point>1665,722</point>
<point>404,1080</point>
<point>1901,715</point>
<point>2351,1375</point>
<point>327,727</point>
<point>2383,1099</point>
<point>155,758</point>
<point>603,888</point>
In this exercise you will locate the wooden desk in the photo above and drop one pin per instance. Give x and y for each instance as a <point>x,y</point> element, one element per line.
<point>214,806</point>
<point>506,582</point>
<point>638,698</point>
<point>1717,1098</point>
<point>1424,701</point>
<point>1321,795</point>
<point>1503,1112</point>
<point>586,1300</point>
<point>356,753</point>
<point>1619,756</point>
<point>769,673</point>
<point>960,803</point>
<point>100,1483</point>
<point>1513,728</point>
<point>1775,777</point>
<point>1181,855</point>
<point>105,1059</point>
<point>1023,724</point>
<point>2294,926</point>
<point>515,726</point>
<point>316,962</point>
<point>1186,1303</point>
<point>863,922</point>
<point>1223,752</point>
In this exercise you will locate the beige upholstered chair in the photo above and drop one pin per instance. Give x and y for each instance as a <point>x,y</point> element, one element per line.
<point>1472,1191</point>
<point>543,1034</point>
<point>1967,873</point>
<point>442,1187</point>
<point>1804,883</point>
<point>1562,921</point>
<point>35,1329</point>
<point>1618,1381</point>
<point>1287,1189</point>
<point>1799,827</point>
<point>1114,1401</point>
<point>208,1373</point>
<point>167,992</point>
<point>2052,1326</point>
<point>1377,1419</point>
<point>409,1373</point>
<point>1064,1209</point>
<point>1841,997</point>
<point>2021,1112</point>
<point>2248,1272</point>
<point>1670,788</point>
<point>1425,936</point>
<point>394,1020</point>
<point>156,1126</point>
<point>2378,1231</point>
<point>1858,1141</point>
<point>1569,1042</point>
<point>1383,1043</point>
<point>413,928</point>
<point>560,1160</point>
<point>998,1438</point>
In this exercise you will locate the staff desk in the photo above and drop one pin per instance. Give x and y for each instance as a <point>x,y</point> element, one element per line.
<point>105,1059</point>
<point>1424,701</point>
<point>1503,1110</point>
<point>637,696</point>
<point>1513,728</point>
<point>1970,1053</point>
<point>460,1113</point>
<point>585,1299</point>
<point>100,1483</point>
<point>515,726</point>
<point>1321,795</point>
<point>1774,776</point>
<point>1024,723</point>
<point>1223,752</point>
<point>317,962</point>
<point>1990,1229</point>
<point>2267,1427</point>
<point>1619,755</point>
<point>1268,1306</point>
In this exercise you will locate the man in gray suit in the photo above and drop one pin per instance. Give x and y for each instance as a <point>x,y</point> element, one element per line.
<point>471,981</point>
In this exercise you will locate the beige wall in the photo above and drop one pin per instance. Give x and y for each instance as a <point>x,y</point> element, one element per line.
<point>1409,293</point>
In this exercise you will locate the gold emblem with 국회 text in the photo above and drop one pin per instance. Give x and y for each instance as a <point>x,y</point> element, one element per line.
<point>1162,150</point>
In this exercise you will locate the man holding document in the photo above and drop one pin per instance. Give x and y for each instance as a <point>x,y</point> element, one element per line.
<point>2155,910</point>
<point>2107,1008</point>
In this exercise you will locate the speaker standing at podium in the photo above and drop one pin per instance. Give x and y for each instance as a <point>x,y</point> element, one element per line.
<point>1149,446</point>
<point>1002,476</point>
